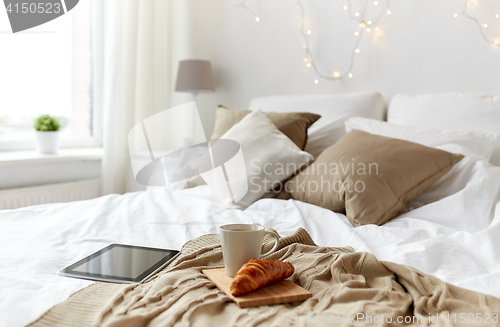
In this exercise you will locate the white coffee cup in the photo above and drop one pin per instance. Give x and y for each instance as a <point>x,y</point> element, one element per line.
<point>242,242</point>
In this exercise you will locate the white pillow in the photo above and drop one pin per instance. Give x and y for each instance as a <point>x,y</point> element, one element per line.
<point>269,156</point>
<point>449,111</point>
<point>470,142</point>
<point>334,109</point>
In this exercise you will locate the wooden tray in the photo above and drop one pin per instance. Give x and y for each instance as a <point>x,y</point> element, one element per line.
<point>282,292</point>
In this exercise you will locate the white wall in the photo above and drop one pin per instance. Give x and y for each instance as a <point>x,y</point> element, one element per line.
<point>421,48</point>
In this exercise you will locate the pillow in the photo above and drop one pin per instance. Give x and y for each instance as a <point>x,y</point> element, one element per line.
<point>472,142</point>
<point>334,109</point>
<point>293,124</point>
<point>449,111</point>
<point>269,157</point>
<point>369,177</point>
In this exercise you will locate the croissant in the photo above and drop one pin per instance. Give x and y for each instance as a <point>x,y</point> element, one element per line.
<point>259,273</point>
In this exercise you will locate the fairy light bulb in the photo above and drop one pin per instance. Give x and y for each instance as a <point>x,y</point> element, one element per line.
<point>455,15</point>
<point>304,46</point>
<point>257,19</point>
<point>344,7</point>
<point>356,14</point>
<point>375,3</point>
<point>308,65</point>
<point>377,28</point>
<point>350,75</point>
<point>309,32</point>
<point>362,25</point>
<point>316,81</point>
<point>485,25</point>
<point>306,60</point>
<point>389,12</point>
<point>368,30</point>
<point>336,74</point>
<point>369,22</point>
<point>357,50</point>
<point>497,16</point>
<point>496,42</point>
<point>356,33</point>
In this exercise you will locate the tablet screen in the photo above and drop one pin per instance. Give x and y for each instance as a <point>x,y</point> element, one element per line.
<point>121,262</point>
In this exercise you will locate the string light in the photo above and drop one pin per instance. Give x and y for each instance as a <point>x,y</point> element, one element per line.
<point>480,25</point>
<point>357,16</point>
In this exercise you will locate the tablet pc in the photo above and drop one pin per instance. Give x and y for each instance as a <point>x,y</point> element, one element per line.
<point>120,263</point>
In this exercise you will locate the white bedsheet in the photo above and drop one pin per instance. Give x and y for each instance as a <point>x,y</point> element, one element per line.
<point>455,238</point>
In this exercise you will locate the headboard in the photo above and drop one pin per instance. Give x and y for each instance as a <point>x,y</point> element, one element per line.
<point>457,111</point>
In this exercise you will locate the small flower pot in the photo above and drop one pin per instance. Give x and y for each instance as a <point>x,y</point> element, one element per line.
<point>47,142</point>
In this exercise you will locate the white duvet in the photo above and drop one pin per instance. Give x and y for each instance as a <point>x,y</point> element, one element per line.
<point>455,238</point>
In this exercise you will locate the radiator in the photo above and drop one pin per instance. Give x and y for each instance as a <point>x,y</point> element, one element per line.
<point>63,192</point>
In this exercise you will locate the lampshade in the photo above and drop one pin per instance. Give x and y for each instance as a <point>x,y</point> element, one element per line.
<point>195,76</point>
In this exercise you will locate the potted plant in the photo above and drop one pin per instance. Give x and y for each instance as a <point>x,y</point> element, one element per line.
<point>47,134</point>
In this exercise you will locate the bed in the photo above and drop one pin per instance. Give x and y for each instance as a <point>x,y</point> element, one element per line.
<point>451,231</point>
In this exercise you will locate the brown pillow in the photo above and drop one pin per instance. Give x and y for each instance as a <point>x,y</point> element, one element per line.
<point>369,177</point>
<point>292,124</point>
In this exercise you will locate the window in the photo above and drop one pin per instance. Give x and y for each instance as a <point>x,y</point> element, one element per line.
<point>47,70</point>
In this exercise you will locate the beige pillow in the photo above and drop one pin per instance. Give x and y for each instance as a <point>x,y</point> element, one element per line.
<point>293,124</point>
<point>369,177</point>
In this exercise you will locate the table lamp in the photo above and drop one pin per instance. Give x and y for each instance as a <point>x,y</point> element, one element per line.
<point>195,76</point>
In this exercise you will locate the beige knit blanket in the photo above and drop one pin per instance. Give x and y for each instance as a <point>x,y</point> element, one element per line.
<point>349,289</point>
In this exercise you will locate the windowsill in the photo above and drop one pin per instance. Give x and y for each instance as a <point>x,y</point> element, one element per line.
<point>63,155</point>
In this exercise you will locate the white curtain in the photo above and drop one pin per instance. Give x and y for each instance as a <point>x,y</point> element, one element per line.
<point>133,74</point>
